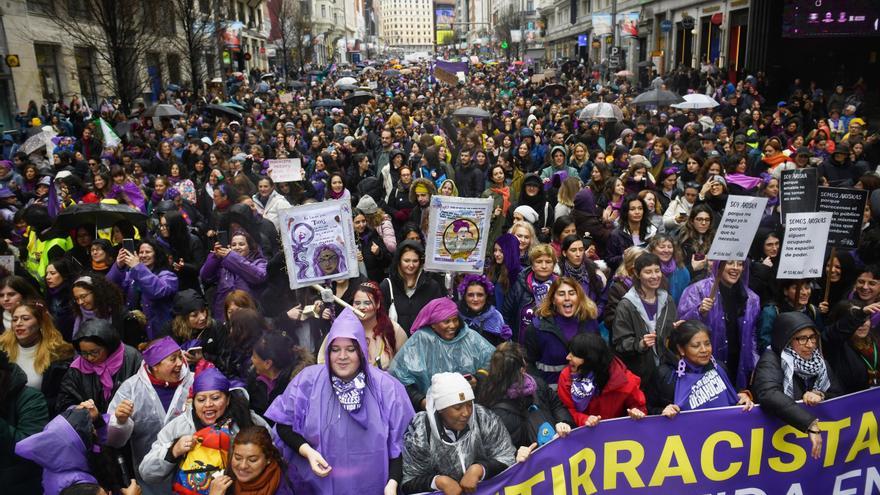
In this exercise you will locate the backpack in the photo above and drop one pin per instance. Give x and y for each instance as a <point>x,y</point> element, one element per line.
<point>538,427</point>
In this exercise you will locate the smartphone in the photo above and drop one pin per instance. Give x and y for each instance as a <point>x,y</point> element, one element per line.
<point>129,245</point>
<point>223,237</point>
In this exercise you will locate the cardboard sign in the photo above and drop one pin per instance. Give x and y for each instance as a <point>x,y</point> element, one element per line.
<point>458,230</point>
<point>286,170</point>
<point>319,243</point>
<point>848,207</point>
<point>803,248</point>
<point>798,190</point>
<point>737,229</point>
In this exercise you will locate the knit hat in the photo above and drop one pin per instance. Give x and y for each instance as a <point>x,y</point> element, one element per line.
<point>367,205</point>
<point>449,389</point>
<point>528,213</point>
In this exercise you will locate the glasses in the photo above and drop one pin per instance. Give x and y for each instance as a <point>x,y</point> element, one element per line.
<point>325,259</point>
<point>82,297</point>
<point>91,354</point>
<point>702,220</point>
<point>802,340</point>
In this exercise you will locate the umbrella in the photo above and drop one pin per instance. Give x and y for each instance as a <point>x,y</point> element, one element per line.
<point>479,74</point>
<point>124,127</point>
<point>268,75</point>
<point>347,87</point>
<point>624,73</point>
<point>37,141</point>
<point>297,84</point>
<point>346,73</point>
<point>358,98</point>
<point>328,103</point>
<point>657,97</point>
<point>554,89</point>
<point>392,73</point>
<point>162,110</point>
<point>102,215</point>
<point>601,111</point>
<point>223,111</point>
<point>696,101</point>
<point>474,112</point>
<point>369,69</point>
<point>234,106</point>
<point>345,80</point>
<point>645,63</point>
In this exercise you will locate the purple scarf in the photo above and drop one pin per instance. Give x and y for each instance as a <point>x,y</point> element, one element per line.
<point>539,289</point>
<point>667,267</point>
<point>703,388</point>
<point>582,390</point>
<point>568,326</point>
<point>86,316</point>
<point>351,394</point>
<point>105,370</point>
<point>524,389</point>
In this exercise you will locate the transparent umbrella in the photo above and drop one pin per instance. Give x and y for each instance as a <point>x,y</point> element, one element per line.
<point>601,111</point>
<point>696,102</point>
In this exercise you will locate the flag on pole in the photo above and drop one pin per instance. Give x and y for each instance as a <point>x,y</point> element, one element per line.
<point>107,135</point>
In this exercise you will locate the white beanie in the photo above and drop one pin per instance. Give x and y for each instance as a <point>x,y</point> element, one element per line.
<point>449,389</point>
<point>527,212</point>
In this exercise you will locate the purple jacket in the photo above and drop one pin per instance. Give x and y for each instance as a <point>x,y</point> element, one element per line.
<point>359,456</point>
<point>231,273</point>
<point>60,451</point>
<point>689,309</point>
<point>156,291</point>
<point>547,346</point>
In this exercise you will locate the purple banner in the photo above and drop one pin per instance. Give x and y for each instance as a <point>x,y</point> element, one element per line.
<point>708,452</point>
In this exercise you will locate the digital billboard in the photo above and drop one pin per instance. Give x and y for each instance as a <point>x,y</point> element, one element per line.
<point>830,18</point>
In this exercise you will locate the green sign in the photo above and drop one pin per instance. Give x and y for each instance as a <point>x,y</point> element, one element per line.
<point>504,45</point>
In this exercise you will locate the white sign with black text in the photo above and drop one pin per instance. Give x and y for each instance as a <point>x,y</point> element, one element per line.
<point>803,248</point>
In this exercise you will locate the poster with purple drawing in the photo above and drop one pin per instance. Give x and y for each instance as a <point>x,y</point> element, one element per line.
<point>319,243</point>
<point>457,234</point>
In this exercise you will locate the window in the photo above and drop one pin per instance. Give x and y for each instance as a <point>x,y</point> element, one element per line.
<point>44,7</point>
<point>323,11</point>
<point>173,61</point>
<point>47,65</point>
<point>205,6</point>
<point>77,8</point>
<point>85,71</point>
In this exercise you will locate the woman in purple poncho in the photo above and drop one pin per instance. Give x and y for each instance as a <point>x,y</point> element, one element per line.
<point>338,421</point>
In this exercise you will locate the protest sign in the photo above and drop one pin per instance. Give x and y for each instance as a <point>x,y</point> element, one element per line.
<point>715,451</point>
<point>286,98</point>
<point>319,243</point>
<point>803,248</point>
<point>457,234</point>
<point>742,216</point>
<point>286,170</point>
<point>798,189</point>
<point>848,207</point>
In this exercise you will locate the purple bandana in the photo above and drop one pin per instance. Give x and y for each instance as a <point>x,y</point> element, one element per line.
<point>160,350</point>
<point>351,395</point>
<point>582,390</point>
<point>210,379</point>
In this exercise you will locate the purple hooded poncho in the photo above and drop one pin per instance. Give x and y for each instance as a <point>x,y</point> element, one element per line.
<point>689,309</point>
<point>359,456</point>
<point>60,451</point>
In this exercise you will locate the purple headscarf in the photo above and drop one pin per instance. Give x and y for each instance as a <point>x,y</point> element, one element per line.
<point>434,312</point>
<point>210,379</point>
<point>160,350</point>
<point>585,202</point>
<point>509,245</point>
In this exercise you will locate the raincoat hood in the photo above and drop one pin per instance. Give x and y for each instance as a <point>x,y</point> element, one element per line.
<point>347,326</point>
<point>60,451</point>
<point>395,262</point>
<point>585,202</point>
<point>787,324</point>
<point>100,332</point>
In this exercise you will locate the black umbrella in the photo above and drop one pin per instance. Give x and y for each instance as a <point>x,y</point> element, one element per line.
<point>162,110</point>
<point>554,89</point>
<point>358,98</point>
<point>472,112</point>
<point>298,84</point>
<point>328,103</point>
<point>658,97</point>
<point>645,63</point>
<point>223,111</point>
<point>123,128</point>
<point>102,215</point>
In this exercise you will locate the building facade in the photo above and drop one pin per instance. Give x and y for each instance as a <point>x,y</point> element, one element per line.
<point>407,25</point>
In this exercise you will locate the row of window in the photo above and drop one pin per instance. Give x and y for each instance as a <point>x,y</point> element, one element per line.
<point>236,10</point>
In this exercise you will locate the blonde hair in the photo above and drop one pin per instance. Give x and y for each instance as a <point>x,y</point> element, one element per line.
<point>51,347</point>
<point>375,220</point>
<point>527,226</point>
<point>539,250</point>
<point>627,267</point>
<point>570,186</point>
<point>586,308</point>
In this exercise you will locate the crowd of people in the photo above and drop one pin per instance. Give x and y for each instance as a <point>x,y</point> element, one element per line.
<point>151,344</point>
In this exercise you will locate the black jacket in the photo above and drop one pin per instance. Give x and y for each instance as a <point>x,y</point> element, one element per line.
<point>77,386</point>
<point>848,365</point>
<point>377,264</point>
<point>514,413</point>
<point>768,383</point>
<point>426,289</point>
<point>470,180</point>
<point>23,412</point>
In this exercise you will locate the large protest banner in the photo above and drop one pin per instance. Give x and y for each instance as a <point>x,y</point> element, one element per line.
<point>742,216</point>
<point>458,230</point>
<point>848,207</point>
<point>798,190</point>
<point>708,452</point>
<point>803,247</point>
<point>319,243</point>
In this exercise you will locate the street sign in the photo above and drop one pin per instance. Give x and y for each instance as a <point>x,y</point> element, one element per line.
<point>613,51</point>
<point>666,25</point>
<point>504,45</point>
<point>614,61</point>
<point>582,40</point>
<point>12,60</point>
<point>687,23</point>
